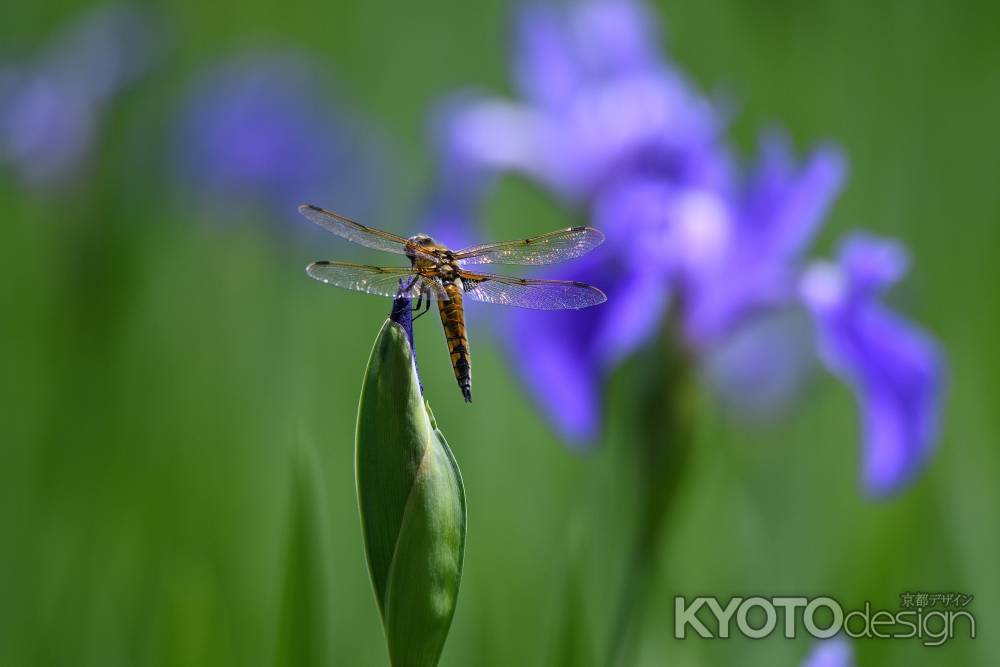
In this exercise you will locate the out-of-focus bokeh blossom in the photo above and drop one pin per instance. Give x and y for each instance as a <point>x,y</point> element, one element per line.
<point>747,250</point>
<point>262,131</point>
<point>612,128</point>
<point>598,103</point>
<point>895,369</point>
<point>758,370</point>
<point>614,131</point>
<point>51,106</point>
<point>836,652</point>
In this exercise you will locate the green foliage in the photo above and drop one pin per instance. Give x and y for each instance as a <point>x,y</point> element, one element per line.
<point>412,505</point>
<point>305,631</point>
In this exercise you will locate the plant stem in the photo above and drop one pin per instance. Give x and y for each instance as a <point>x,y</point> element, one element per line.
<point>631,601</point>
<point>664,433</point>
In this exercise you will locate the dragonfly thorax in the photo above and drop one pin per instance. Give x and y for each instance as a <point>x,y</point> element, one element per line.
<point>425,252</point>
<point>448,272</point>
<point>425,244</point>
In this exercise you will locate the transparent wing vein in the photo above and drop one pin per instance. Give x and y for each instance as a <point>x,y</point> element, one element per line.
<point>355,232</point>
<point>527,293</point>
<point>557,246</point>
<point>377,280</point>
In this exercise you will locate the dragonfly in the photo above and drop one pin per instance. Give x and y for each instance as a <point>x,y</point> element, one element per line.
<point>437,273</point>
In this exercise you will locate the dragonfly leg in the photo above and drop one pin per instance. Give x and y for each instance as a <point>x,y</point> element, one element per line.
<point>424,302</point>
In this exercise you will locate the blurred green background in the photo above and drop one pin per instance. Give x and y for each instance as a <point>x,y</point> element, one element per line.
<point>176,481</point>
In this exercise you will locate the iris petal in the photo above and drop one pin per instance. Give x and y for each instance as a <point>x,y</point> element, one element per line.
<point>895,368</point>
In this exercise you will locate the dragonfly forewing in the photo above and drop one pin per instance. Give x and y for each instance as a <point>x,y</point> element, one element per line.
<point>355,232</point>
<point>387,281</point>
<point>557,246</point>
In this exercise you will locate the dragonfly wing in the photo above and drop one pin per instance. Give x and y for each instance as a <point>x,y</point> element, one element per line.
<point>378,280</point>
<point>557,246</point>
<point>361,234</point>
<point>528,293</point>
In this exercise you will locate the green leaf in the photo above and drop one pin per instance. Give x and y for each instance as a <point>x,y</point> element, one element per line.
<point>573,645</point>
<point>304,631</point>
<point>412,505</point>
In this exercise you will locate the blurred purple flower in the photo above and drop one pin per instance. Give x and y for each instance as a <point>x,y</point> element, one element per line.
<point>609,125</point>
<point>758,370</point>
<point>598,101</point>
<point>894,367</point>
<point>723,254</point>
<point>754,264</point>
<point>563,356</point>
<point>836,652</point>
<point>50,108</point>
<point>612,129</point>
<point>257,131</point>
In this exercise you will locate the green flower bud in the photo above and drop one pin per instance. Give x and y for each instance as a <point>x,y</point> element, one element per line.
<point>412,505</point>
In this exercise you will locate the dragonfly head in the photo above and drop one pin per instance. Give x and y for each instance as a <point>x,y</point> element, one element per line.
<point>423,240</point>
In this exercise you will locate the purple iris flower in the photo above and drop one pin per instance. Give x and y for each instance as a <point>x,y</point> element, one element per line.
<point>759,369</point>
<point>259,131</point>
<point>753,264</point>
<point>597,101</point>
<point>894,368</point>
<point>50,108</point>
<point>740,293</point>
<point>616,133</point>
<point>836,652</point>
<point>610,126</point>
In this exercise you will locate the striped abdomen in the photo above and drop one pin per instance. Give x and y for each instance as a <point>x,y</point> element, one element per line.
<point>453,320</point>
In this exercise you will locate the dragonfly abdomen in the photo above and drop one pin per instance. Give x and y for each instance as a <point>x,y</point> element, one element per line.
<point>453,320</point>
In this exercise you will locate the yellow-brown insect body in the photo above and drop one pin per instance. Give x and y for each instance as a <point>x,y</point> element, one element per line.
<point>438,264</point>
<point>453,320</point>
